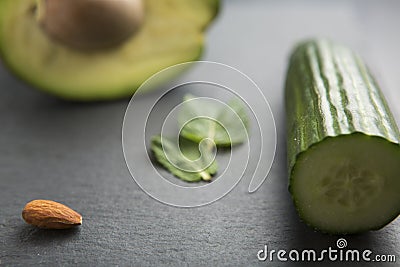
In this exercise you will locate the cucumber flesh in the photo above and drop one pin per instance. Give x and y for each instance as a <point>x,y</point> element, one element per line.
<point>343,183</point>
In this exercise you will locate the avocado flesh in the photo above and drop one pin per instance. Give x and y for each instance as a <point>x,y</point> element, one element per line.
<point>172,33</point>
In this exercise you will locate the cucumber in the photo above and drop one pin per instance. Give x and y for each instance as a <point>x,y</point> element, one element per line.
<point>342,141</point>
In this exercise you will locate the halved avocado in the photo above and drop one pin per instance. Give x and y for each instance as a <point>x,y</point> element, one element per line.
<point>171,32</point>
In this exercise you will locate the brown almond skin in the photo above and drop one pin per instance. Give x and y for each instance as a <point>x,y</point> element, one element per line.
<point>49,214</point>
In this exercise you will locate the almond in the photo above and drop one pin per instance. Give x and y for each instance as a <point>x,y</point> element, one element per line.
<point>50,214</point>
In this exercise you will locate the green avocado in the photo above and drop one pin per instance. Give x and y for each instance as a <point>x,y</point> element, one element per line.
<point>171,32</point>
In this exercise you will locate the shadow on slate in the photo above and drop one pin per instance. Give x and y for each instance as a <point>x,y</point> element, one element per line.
<point>45,237</point>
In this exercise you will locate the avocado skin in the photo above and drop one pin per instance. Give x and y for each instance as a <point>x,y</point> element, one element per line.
<point>112,93</point>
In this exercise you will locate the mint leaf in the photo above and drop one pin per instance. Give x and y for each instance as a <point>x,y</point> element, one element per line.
<point>189,161</point>
<point>202,118</point>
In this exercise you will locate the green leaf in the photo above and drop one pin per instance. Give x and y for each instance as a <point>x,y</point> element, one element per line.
<point>190,161</point>
<point>202,118</point>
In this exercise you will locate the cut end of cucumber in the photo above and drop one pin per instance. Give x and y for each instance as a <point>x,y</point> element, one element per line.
<point>348,184</point>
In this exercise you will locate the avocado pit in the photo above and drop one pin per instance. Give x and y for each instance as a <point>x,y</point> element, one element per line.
<point>90,24</point>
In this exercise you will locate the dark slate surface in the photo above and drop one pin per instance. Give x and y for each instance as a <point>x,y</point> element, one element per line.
<point>72,153</point>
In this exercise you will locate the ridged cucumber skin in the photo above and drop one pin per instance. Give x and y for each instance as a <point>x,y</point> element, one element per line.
<point>330,93</point>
